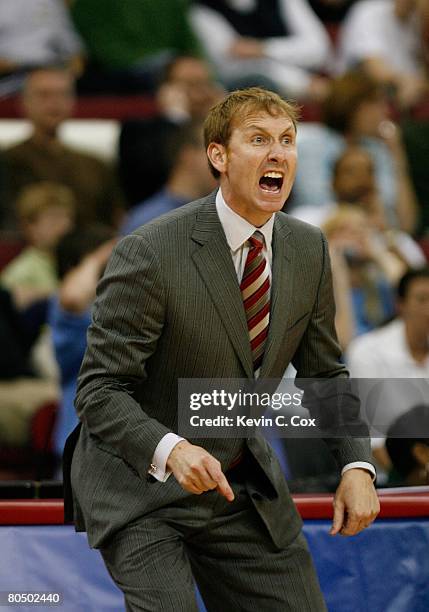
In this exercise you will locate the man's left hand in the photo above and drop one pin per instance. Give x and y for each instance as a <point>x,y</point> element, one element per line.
<point>356,503</point>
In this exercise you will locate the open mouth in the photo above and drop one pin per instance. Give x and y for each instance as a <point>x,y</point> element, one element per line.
<point>271,182</point>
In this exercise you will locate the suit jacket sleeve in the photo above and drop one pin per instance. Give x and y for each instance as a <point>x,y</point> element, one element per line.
<point>319,357</point>
<point>127,321</point>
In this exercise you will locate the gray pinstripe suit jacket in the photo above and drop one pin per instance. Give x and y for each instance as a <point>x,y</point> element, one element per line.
<point>169,306</point>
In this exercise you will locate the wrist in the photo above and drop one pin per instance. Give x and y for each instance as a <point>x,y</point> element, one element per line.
<point>363,471</point>
<point>175,451</point>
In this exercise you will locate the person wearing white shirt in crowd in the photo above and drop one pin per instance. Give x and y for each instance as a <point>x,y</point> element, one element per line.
<point>387,38</point>
<point>37,33</point>
<point>397,351</point>
<point>279,40</point>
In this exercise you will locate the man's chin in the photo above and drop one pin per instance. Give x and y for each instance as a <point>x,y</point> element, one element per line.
<point>270,201</point>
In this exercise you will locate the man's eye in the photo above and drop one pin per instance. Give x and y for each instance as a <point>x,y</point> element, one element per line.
<point>257,139</point>
<point>287,140</point>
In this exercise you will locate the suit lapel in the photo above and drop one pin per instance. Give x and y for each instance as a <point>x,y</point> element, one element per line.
<point>214,262</point>
<point>282,292</point>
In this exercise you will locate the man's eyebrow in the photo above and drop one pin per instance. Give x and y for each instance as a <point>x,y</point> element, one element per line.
<point>258,128</point>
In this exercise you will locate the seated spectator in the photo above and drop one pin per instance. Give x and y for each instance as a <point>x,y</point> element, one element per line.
<point>397,351</point>
<point>187,89</point>
<point>273,43</point>
<point>355,112</point>
<point>186,92</point>
<point>189,178</point>
<point>48,99</point>
<point>354,183</point>
<point>407,445</point>
<point>36,33</point>
<point>129,43</point>
<point>81,257</point>
<point>385,37</point>
<point>23,387</point>
<point>369,267</point>
<point>46,212</point>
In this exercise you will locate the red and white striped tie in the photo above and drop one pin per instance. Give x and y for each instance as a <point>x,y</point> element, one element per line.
<point>255,289</point>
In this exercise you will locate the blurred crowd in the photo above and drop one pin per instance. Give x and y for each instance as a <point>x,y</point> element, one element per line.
<point>362,177</point>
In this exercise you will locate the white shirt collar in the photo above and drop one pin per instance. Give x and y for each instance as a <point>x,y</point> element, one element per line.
<point>237,229</point>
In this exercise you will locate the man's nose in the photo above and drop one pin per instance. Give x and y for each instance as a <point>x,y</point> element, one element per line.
<point>277,152</point>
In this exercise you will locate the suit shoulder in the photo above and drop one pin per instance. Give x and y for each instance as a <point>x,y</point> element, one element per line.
<point>179,220</point>
<point>301,229</point>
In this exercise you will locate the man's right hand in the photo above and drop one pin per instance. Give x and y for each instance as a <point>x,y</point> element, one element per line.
<point>197,471</point>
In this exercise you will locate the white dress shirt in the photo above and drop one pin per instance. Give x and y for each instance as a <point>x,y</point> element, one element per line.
<point>237,231</point>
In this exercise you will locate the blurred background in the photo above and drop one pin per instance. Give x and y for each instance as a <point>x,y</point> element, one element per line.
<point>101,117</point>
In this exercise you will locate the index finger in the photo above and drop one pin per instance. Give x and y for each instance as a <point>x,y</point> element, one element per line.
<point>223,486</point>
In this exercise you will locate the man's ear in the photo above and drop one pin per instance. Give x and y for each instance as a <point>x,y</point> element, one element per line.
<point>217,156</point>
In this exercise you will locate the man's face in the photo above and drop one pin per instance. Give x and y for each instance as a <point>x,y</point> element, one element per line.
<point>257,166</point>
<point>193,76</point>
<point>354,180</point>
<point>414,308</point>
<point>48,99</point>
<point>50,226</point>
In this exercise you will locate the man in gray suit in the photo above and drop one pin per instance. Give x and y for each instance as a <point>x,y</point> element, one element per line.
<point>176,302</point>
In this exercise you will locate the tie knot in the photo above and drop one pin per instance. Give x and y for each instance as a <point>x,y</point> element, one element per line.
<point>257,240</point>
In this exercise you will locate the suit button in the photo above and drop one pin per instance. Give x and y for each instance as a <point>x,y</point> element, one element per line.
<point>257,496</point>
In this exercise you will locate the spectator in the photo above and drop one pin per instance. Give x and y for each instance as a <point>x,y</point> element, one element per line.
<point>23,388</point>
<point>407,444</point>
<point>355,112</point>
<point>48,99</point>
<point>186,92</point>
<point>189,178</point>
<point>397,351</point>
<point>369,266</point>
<point>81,257</point>
<point>276,43</point>
<point>130,42</point>
<point>36,33</point>
<point>46,212</point>
<point>354,183</point>
<point>386,38</point>
<point>187,89</point>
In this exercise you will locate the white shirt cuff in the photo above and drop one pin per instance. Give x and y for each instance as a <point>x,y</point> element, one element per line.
<point>360,464</point>
<point>158,467</point>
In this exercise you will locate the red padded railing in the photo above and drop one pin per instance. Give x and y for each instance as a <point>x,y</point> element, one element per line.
<point>129,107</point>
<point>97,107</point>
<point>50,511</point>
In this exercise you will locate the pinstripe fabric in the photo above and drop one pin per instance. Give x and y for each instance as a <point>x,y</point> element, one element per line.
<point>230,577</point>
<point>169,306</point>
<point>255,290</point>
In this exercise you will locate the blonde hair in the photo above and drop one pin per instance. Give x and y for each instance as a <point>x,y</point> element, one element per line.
<point>39,197</point>
<point>345,214</point>
<point>238,104</point>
